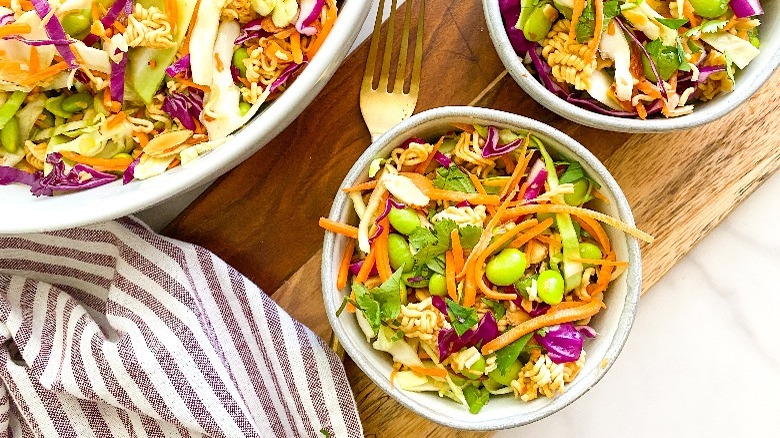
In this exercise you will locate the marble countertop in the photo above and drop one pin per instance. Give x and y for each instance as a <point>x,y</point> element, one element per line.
<point>703,358</point>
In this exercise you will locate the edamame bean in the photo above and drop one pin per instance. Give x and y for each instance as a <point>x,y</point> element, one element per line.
<point>710,8</point>
<point>10,135</point>
<point>437,285</point>
<point>238,60</point>
<point>76,102</point>
<point>124,155</point>
<point>581,192</point>
<point>399,252</point>
<point>549,287</point>
<point>476,370</point>
<point>590,251</point>
<point>77,23</point>
<point>244,107</point>
<point>506,268</point>
<point>54,105</point>
<point>404,220</point>
<point>539,22</point>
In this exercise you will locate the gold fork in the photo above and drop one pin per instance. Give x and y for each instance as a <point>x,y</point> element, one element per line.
<point>384,107</point>
<point>387,104</point>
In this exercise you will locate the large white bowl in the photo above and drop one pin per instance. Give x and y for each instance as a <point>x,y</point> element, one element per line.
<point>23,213</point>
<point>748,80</point>
<point>613,324</point>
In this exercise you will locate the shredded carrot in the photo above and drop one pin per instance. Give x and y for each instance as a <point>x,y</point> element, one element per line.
<point>611,27</point>
<point>44,73</point>
<point>579,6</point>
<point>218,63</point>
<point>508,164</point>
<point>338,227</point>
<point>322,34</point>
<point>600,262</point>
<point>464,127</point>
<point>517,174</point>
<point>368,265</point>
<point>600,196</point>
<point>143,139</point>
<point>457,249</point>
<point>102,164</point>
<point>648,88</point>
<point>95,12</point>
<point>295,47</point>
<point>641,111</point>
<point>604,276</point>
<point>580,212</point>
<point>425,185</point>
<point>688,13</point>
<point>107,98</point>
<point>434,372</point>
<point>424,165</point>
<point>469,289</point>
<point>392,377</point>
<point>172,10</point>
<point>119,26</point>
<point>349,251</point>
<point>480,269</point>
<point>449,270</point>
<point>115,120</point>
<point>15,29</point>
<point>368,185</point>
<point>481,190</point>
<point>382,255</point>
<point>594,43</point>
<point>351,307</point>
<point>594,229</point>
<point>530,234</point>
<point>152,63</point>
<point>176,161</point>
<point>546,320</point>
<point>189,83</point>
<point>35,62</point>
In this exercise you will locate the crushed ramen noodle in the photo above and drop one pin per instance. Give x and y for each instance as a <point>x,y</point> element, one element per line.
<point>477,264</point>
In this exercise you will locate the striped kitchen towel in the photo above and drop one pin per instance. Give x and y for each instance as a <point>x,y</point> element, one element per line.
<point>113,330</point>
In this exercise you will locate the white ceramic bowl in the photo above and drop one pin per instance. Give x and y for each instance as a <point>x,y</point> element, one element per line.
<point>613,324</point>
<point>748,80</point>
<point>23,213</point>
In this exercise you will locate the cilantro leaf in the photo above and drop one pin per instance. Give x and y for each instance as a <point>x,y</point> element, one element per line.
<point>684,66</point>
<point>573,173</point>
<point>507,355</point>
<point>398,336</point>
<point>729,66</point>
<point>388,296</point>
<point>672,23</point>
<point>469,236</point>
<point>441,231</point>
<point>453,178</point>
<point>461,318</point>
<point>586,25</point>
<point>436,264</point>
<point>665,58</point>
<point>421,237</point>
<point>368,305</point>
<point>476,398</point>
<point>498,309</point>
<point>710,26</point>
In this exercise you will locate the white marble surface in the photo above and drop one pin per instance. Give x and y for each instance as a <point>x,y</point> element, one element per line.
<point>703,358</point>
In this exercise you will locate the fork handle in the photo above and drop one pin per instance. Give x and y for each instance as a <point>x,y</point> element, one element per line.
<point>336,346</point>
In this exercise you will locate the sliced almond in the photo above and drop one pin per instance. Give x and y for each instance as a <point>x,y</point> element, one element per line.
<point>168,143</point>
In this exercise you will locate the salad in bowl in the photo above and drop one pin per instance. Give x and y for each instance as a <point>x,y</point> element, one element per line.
<point>635,58</point>
<point>475,265</point>
<point>92,91</point>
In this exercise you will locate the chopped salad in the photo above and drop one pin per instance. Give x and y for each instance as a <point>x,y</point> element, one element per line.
<point>635,58</point>
<point>477,264</point>
<point>96,90</point>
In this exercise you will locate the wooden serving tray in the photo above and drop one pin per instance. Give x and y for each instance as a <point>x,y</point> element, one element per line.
<point>262,216</point>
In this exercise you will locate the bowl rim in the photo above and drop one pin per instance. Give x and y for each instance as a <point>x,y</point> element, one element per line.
<point>115,199</point>
<point>534,88</point>
<point>633,274</point>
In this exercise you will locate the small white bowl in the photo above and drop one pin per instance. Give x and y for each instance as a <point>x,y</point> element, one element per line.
<point>23,213</point>
<point>748,81</point>
<point>613,324</point>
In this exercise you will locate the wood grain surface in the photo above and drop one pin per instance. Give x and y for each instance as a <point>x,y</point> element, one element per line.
<point>262,216</point>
